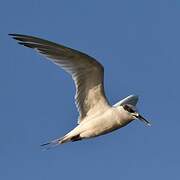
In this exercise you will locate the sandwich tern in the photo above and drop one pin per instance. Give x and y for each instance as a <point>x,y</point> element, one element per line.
<point>96,115</point>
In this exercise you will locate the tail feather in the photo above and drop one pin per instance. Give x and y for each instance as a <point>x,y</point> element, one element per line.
<point>52,144</point>
<point>64,139</point>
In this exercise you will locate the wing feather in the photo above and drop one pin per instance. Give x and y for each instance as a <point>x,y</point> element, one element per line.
<point>87,73</point>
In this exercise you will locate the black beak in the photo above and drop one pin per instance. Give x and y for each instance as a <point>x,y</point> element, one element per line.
<point>143,120</point>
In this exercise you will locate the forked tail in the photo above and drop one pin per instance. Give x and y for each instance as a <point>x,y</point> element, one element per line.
<point>64,139</point>
<point>53,143</point>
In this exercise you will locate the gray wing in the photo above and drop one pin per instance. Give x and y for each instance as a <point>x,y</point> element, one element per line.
<point>87,73</point>
<point>132,99</point>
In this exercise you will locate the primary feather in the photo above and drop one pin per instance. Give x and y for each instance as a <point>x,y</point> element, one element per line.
<point>87,73</point>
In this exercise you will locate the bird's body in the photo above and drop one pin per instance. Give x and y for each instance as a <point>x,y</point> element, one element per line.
<point>96,115</point>
<point>100,124</point>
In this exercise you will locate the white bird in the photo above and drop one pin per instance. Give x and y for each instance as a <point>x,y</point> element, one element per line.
<point>96,115</point>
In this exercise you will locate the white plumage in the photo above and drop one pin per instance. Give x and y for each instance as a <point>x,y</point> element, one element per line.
<point>96,115</point>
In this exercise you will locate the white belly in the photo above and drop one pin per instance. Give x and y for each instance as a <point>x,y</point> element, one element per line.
<point>99,125</point>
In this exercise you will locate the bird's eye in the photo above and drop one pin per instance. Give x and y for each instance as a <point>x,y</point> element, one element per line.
<point>129,109</point>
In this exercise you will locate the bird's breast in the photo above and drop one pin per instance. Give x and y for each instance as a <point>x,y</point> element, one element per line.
<point>104,123</point>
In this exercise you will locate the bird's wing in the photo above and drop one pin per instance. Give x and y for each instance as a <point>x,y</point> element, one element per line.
<point>132,99</point>
<point>87,73</point>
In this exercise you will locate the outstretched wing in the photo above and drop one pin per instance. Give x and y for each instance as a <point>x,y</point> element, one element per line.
<point>87,73</point>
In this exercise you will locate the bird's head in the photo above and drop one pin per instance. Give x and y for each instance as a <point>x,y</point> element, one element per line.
<point>134,114</point>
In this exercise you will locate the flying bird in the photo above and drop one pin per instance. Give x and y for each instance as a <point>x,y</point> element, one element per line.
<point>96,115</point>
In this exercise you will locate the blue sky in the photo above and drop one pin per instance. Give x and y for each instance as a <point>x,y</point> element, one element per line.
<point>138,44</point>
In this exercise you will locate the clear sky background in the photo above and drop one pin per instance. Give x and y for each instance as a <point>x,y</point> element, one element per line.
<point>138,42</point>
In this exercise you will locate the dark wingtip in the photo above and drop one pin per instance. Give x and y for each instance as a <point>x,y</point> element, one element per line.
<point>14,34</point>
<point>21,40</point>
<point>45,144</point>
<point>25,44</point>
